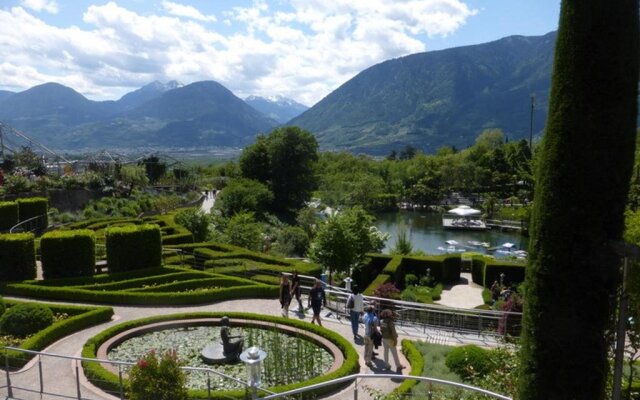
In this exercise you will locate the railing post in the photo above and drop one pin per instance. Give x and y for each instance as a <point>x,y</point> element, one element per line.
<point>78,381</point>
<point>40,374</point>
<point>355,389</point>
<point>120,382</point>
<point>6,368</point>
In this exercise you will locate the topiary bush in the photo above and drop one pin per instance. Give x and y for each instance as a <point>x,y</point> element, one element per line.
<point>133,247</point>
<point>17,257</point>
<point>67,254</point>
<point>469,361</point>
<point>25,319</point>
<point>8,214</point>
<point>34,207</point>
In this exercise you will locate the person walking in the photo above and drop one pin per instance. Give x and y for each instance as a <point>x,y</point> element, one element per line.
<point>285,295</point>
<point>296,290</point>
<point>317,300</point>
<point>355,305</point>
<point>389,339</point>
<point>371,328</point>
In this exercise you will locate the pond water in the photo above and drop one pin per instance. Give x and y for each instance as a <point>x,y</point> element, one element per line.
<point>289,358</point>
<point>426,233</point>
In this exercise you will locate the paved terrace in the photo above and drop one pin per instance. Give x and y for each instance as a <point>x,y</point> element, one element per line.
<point>59,374</point>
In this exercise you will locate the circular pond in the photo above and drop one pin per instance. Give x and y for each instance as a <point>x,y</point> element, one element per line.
<point>293,355</point>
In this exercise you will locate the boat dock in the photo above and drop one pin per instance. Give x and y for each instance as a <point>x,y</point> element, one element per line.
<point>506,225</point>
<point>464,223</point>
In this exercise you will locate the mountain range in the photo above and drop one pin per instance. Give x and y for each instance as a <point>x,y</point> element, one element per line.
<point>447,97</point>
<point>426,100</point>
<point>279,108</point>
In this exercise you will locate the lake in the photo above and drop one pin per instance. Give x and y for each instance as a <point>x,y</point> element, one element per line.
<point>426,233</point>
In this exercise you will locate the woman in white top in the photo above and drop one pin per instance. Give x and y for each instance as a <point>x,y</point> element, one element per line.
<point>355,304</point>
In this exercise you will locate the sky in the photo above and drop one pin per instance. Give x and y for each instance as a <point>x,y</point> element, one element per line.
<point>301,49</point>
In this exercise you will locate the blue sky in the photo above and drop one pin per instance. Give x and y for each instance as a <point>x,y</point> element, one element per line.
<point>302,49</point>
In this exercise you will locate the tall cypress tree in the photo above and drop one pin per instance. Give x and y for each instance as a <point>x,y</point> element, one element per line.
<point>582,180</point>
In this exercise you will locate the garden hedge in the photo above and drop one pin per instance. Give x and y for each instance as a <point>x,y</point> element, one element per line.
<point>484,271</point>
<point>108,381</point>
<point>417,366</point>
<point>109,290</point>
<point>443,268</point>
<point>68,253</point>
<point>80,317</point>
<point>133,247</point>
<point>17,256</point>
<point>370,268</point>
<point>9,216</point>
<point>34,207</point>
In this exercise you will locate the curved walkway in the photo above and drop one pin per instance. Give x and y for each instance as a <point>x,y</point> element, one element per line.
<point>59,374</point>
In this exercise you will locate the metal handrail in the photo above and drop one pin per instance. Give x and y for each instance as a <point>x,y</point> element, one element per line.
<point>385,376</point>
<point>121,364</point>
<point>26,222</point>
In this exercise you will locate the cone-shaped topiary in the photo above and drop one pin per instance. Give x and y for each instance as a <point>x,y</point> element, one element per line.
<point>582,179</point>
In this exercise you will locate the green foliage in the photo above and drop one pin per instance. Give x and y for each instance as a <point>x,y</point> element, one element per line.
<point>416,363</point>
<point>403,244</point>
<point>17,256</point>
<point>34,207</point>
<point>243,231</point>
<point>291,241</point>
<point>8,214</point>
<point>469,361</point>
<point>158,286</point>
<point>244,195</point>
<point>285,159</point>
<point>157,378</point>
<point>582,181</point>
<point>133,247</point>
<point>196,221</point>
<point>15,184</point>
<point>343,240</point>
<point>422,294</point>
<point>68,253</point>
<point>3,306</point>
<point>104,379</point>
<point>25,319</point>
<point>410,280</point>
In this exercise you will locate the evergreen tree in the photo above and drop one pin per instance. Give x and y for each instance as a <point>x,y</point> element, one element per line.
<point>582,181</point>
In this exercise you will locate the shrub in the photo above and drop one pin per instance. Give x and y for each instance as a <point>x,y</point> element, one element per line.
<point>25,319</point>
<point>3,306</point>
<point>387,291</point>
<point>68,253</point>
<point>17,257</point>
<point>8,214</point>
<point>34,207</point>
<point>469,361</point>
<point>133,247</point>
<point>157,378</point>
<point>410,280</point>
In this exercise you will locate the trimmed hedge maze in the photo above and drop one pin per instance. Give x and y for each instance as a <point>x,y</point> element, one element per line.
<point>236,261</point>
<point>153,286</point>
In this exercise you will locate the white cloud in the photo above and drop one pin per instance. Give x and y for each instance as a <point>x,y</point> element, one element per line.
<point>181,10</point>
<point>304,52</point>
<point>41,5</point>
